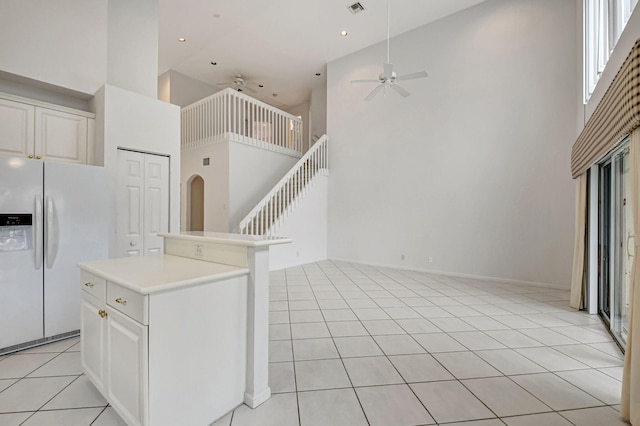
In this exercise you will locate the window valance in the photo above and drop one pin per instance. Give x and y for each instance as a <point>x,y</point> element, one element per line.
<point>615,117</point>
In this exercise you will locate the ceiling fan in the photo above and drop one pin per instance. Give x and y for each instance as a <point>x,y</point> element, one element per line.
<point>388,77</point>
<point>238,83</point>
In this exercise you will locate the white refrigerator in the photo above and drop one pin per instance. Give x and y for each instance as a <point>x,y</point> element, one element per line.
<point>52,216</point>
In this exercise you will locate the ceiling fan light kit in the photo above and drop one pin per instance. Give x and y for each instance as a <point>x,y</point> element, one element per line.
<point>239,83</point>
<point>388,78</point>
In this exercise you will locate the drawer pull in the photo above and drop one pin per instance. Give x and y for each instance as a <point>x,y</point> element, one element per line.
<point>121,301</point>
<point>102,313</point>
<point>88,284</point>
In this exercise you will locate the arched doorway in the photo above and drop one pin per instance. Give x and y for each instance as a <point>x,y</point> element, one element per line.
<point>196,204</point>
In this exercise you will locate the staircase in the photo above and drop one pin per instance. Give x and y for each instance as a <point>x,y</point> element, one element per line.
<point>274,207</point>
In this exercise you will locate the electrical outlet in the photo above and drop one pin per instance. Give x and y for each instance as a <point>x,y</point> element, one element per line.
<point>199,250</point>
<point>430,259</point>
<point>402,257</point>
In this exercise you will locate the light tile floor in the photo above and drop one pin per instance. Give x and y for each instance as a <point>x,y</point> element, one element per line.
<point>360,345</point>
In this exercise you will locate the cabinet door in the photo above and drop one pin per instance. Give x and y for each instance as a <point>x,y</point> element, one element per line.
<point>127,368</point>
<point>60,136</point>
<point>93,325</point>
<point>16,128</point>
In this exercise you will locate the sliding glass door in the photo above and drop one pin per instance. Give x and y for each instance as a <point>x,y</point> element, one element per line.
<point>615,242</point>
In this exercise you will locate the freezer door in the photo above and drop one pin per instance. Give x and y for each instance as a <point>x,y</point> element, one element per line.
<point>75,230</point>
<point>21,270</point>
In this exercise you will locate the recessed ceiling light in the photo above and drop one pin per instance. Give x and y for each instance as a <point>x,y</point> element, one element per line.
<point>182,39</point>
<point>216,15</point>
<point>214,63</point>
<point>318,74</point>
<point>260,85</point>
<point>343,33</point>
<point>275,95</point>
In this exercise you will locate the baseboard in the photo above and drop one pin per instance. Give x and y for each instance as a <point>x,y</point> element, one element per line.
<point>454,274</point>
<point>254,400</point>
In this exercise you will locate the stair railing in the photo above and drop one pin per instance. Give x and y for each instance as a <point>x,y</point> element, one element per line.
<point>271,210</point>
<point>250,120</point>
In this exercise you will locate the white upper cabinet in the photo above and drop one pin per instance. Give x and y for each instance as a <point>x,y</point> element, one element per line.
<point>16,128</point>
<point>38,130</point>
<point>60,136</point>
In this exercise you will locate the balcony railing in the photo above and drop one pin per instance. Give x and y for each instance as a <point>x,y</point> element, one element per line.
<point>229,113</point>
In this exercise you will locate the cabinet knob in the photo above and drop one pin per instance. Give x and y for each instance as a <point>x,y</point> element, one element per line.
<point>102,313</point>
<point>121,301</point>
<point>38,157</point>
<point>88,284</point>
<point>132,243</point>
<point>30,156</point>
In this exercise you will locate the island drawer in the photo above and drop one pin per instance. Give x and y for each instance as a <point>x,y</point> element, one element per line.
<point>130,303</point>
<point>93,284</point>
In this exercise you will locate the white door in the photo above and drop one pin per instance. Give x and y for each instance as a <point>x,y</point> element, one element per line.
<point>143,202</point>
<point>75,212</point>
<point>156,201</point>
<point>20,252</point>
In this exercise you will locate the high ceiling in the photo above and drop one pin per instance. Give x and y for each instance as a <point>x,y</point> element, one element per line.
<point>280,44</point>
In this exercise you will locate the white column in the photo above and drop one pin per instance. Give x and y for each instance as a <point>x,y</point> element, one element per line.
<point>258,390</point>
<point>132,45</point>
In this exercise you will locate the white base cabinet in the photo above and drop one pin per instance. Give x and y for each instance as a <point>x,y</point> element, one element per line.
<point>167,358</point>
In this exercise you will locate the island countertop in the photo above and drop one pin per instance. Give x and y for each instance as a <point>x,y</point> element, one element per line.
<point>161,272</point>
<point>228,239</point>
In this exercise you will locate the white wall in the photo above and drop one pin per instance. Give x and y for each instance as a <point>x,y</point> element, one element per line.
<point>182,90</point>
<point>216,184</point>
<point>306,224</point>
<point>132,45</point>
<point>238,177</point>
<point>318,111</point>
<point>28,88</point>
<point>62,42</point>
<point>129,120</point>
<point>253,172</point>
<point>471,170</point>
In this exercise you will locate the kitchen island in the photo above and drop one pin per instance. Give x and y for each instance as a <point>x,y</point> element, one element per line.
<point>181,337</point>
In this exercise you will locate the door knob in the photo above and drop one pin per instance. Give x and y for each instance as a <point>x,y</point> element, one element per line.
<point>102,313</point>
<point>132,243</point>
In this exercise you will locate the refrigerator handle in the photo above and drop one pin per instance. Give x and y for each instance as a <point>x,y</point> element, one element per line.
<point>37,232</point>
<point>50,232</point>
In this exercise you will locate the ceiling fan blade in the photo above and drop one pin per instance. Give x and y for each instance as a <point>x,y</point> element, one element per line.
<point>365,81</point>
<point>224,84</point>
<point>248,89</point>
<point>414,75</point>
<point>374,92</point>
<point>400,90</point>
<point>387,70</point>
